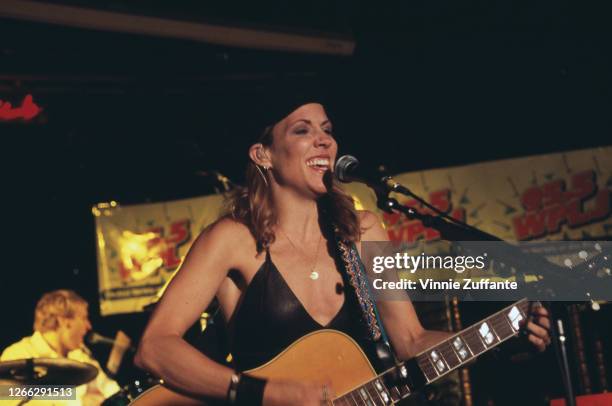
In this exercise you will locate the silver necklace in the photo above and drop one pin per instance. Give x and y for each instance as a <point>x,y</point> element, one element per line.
<point>314,275</point>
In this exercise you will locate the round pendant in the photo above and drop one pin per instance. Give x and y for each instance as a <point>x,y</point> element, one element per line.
<point>314,275</point>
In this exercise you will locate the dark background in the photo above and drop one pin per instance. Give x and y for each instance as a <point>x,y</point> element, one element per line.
<point>134,118</point>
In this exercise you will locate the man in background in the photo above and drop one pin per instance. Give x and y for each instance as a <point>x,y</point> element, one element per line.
<point>60,323</point>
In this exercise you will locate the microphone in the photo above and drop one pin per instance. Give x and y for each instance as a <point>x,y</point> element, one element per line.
<point>93,338</point>
<point>347,169</point>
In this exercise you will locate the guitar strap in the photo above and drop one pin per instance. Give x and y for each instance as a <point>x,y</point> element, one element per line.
<point>355,271</point>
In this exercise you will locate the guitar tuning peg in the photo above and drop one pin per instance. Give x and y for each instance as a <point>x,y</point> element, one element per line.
<point>598,247</point>
<point>568,262</point>
<point>583,254</point>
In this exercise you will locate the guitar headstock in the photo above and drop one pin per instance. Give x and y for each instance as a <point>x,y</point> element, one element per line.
<point>552,270</point>
<point>597,261</point>
<point>590,265</point>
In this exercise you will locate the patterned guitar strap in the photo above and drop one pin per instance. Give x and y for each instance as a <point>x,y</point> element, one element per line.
<point>357,277</point>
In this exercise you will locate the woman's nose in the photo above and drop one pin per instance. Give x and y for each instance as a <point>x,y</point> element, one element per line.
<point>323,139</point>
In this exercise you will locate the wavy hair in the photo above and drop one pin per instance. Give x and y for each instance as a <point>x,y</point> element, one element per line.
<point>252,205</point>
<point>56,304</point>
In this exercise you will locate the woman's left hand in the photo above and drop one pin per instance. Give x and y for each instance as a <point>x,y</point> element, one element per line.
<point>538,328</point>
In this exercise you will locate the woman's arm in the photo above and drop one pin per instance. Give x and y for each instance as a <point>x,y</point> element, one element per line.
<point>407,335</point>
<point>403,327</point>
<point>162,350</point>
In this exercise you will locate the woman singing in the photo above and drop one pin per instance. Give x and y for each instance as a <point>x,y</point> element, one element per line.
<point>274,265</point>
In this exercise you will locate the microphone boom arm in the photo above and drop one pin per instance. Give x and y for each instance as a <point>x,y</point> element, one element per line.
<point>454,229</point>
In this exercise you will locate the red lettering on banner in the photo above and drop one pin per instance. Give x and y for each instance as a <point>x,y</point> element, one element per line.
<point>440,200</point>
<point>531,224</point>
<point>162,246</point>
<point>395,234</point>
<point>555,216</point>
<point>178,235</point>
<point>401,229</point>
<point>550,206</point>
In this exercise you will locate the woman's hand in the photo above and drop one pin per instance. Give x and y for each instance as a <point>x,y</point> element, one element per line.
<point>288,393</point>
<point>538,328</point>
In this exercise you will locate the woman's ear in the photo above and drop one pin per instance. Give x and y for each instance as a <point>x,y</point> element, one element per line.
<point>258,154</point>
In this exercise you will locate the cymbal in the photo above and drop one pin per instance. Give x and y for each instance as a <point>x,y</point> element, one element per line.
<point>46,371</point>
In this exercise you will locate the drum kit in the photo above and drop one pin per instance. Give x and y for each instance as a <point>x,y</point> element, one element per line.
<point>45,371</point>
<point>64,371</point>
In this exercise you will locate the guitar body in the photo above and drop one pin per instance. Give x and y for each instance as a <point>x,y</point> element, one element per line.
<point>321,356</point>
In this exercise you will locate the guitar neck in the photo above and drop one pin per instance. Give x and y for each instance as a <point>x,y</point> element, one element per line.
<point>464,346</point>
<point>440,359</point>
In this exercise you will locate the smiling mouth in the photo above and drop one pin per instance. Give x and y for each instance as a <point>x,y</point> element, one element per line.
<point>318,164</point>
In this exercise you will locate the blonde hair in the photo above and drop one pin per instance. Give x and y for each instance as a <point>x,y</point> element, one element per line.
<point>56,304</point>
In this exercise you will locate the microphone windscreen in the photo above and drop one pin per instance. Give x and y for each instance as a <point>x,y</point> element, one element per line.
<point>344,166</point>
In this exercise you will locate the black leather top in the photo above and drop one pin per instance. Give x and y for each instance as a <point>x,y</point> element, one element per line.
<point>270,317</point>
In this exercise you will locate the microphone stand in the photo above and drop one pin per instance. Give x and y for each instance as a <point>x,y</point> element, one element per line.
<point>455,230</point>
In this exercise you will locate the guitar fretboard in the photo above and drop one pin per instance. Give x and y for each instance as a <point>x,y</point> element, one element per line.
<point>475,340</point>
<point>439,360</point>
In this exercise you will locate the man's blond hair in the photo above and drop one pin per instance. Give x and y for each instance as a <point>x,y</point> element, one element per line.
<point>53,305</point>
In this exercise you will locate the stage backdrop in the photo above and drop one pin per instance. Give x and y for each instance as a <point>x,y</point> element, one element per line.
<point>562,196</point>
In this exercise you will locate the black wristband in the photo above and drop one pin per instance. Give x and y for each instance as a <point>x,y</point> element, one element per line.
<point>250,391</point>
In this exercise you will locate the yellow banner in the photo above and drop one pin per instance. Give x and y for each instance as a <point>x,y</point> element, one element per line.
<point>562,196</point>
<point>139,247</point>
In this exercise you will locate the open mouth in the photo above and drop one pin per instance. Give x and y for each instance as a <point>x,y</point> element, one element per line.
<point>318,164</point>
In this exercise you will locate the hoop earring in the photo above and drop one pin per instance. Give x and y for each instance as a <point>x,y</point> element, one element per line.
<point>262,174</point>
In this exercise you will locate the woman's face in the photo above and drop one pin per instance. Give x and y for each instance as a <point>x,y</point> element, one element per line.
<point>303,149</point>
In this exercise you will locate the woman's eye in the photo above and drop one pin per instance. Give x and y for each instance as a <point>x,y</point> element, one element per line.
<point>301,131</point>
<point>329,131</point>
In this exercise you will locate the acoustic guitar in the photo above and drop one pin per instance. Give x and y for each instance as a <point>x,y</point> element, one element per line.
<point>332,356</point>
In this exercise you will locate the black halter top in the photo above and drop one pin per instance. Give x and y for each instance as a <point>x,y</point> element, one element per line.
<point>270,317</point>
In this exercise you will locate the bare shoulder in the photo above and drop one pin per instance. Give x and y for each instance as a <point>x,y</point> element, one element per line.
<point>371,226</point>
<point>226,230</point>
<point>226,236</point>
<point>227,227</point>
